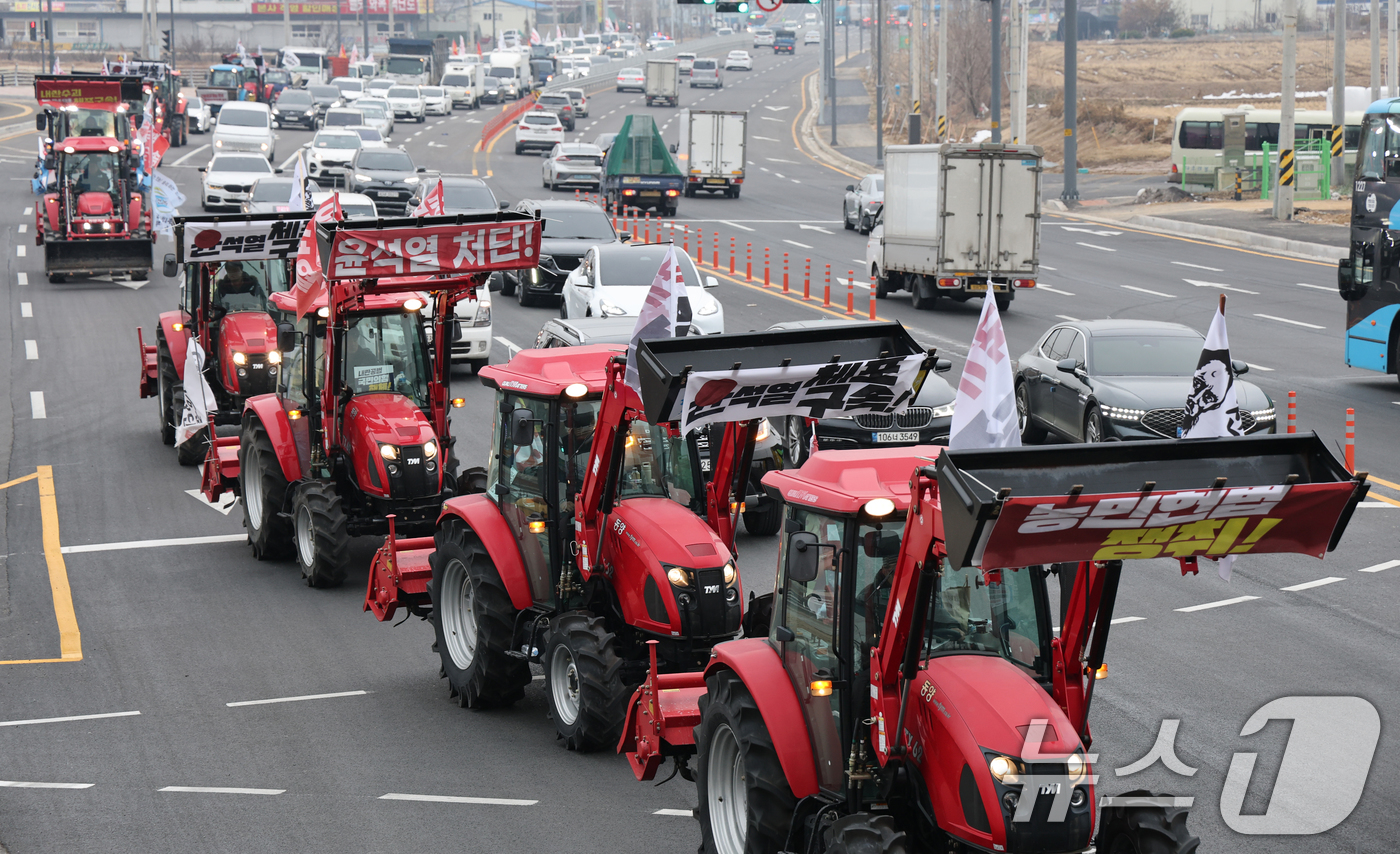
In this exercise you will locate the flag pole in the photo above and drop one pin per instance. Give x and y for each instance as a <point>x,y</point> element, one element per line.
<point>1222,303</point>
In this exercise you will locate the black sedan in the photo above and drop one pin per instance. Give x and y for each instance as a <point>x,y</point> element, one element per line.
<point>1096,380</point>
<point>924,422</point>
<point>570,230</point>
<point>296,107</point>
<point>386,175</point>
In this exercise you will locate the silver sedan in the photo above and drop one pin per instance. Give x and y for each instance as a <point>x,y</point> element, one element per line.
<point>572,164</point>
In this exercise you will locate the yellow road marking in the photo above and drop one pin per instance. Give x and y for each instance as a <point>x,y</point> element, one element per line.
<point>19,480</point>
<point>794,295</point>
<point>18,135</point>
<point>1383,498</point>
<point>70,640</point>
<point>1100,221</point>
<point>1372,478</point>
<point>27,108</point>
<point>798,146</point>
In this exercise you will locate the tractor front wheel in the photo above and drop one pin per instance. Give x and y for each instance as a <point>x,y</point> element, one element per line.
<point>746,804</point>
<point>864,833</point>
<point>264,492</point>
<point>1145,830</point>
<point>474,621</point>
<point>322,544</point>
<point>165,373</point>
<point>583,676</point>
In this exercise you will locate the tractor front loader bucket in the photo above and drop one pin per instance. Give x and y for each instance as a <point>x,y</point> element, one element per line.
<point>399,576</point>
<point>661,719</point>
<point>150,366</point>
<point>220,468</point>
<point>98,255</point>
<point>1184,499</point>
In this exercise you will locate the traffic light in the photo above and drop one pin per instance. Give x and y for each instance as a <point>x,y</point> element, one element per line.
<point>167,42</point>
<point>48,36</point>
<point>732,8</point>
<point>34,31</point>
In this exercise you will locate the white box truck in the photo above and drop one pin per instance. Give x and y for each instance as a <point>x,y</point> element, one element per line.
<point>512,68</point>
<point>712,151</point>
<point>465,85</point>
<point>663,82</point>
<point>959,219</point>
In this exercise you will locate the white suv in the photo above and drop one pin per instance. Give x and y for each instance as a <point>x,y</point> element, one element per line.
<point>763,38</point>
<point>245,127</point>
<point>538,130</point>
<point>407,101</point>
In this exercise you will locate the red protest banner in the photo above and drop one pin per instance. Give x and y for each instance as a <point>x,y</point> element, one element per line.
<point>416,250</point>
<point>93,93</point>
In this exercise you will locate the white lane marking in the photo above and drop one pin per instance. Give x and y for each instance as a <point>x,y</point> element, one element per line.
<point>766,138</point>
<point>1146,291</point>
<point>23,227</point>
<point>1254,367</point>
<point>794,180</point>
<point>1221,286</point>
<point>785,240</point>
<point>1067,317</point>
<point>288,162</point>
<point>296,699</point>
<point>221,790</point>
<point>17,784</point>
<point>735,225</point>
<point>26,309</point>
<point>23,278</point>
<point>780,160</point>
<point>68,718</point>
<point>774,109</point>
<point>1041,286</point>
<point>1308,585</point>
<point>509,345</point>
<point>181,161</point>
<point>19,250</point>
<point>779,175</point>
<point>1095,246</point>
<point>770,119</point>
<point>1382,567</point>
<point>29,212</point>
<point>227,501</point>
<point>843,282</point>
<point>806,227</point>
<point>31,350</point>
<point>1051,269</point>
<point>1198,267</point>
<point>1219,604</point>
<point>453,799</point>
<point>1101,232</point>
<point>1316,287</point>
<point>1379,505</point>
<point>763,168</point>
<point>685,813</point>
<point>1120,620</point>
<point>153,544</point>
<point>1292,322</point>
<point>36,404</point>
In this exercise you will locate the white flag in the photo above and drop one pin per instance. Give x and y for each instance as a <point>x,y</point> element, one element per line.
<point>290,60</point>
<point>658,315</point>
<point>165,203</point>
<point>199,397</point>
<point>1212,408</point>
<point>984,413</point>
<point>301,196</point>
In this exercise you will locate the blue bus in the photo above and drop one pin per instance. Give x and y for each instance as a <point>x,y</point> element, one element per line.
<point>1369,277</point>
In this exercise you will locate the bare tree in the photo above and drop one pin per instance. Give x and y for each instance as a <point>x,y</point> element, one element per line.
<point>1151,17</point>
<point>969,56</point>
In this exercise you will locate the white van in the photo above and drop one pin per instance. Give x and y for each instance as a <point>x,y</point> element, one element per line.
<point>245,126</point>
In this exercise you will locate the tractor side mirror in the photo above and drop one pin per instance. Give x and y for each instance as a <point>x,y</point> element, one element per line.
<point>522,427</point>
<point>803,557</point>
<point>942,366</point>
<point>138,119</point>
<point>41,121</point>
<point>493,282</point>
<point>1240,367</point>
<point>286,335</point>
<point>169,267</point>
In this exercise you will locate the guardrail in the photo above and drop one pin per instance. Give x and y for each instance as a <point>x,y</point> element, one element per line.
<point>504,119</point>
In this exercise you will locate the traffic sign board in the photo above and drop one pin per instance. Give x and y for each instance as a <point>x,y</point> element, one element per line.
<point>769,5</point>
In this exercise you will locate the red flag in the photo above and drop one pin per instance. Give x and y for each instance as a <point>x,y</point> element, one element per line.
<point>310,283</point>
<point>432,203</point>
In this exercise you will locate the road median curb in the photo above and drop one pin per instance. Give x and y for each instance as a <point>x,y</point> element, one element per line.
<point>820,151</point>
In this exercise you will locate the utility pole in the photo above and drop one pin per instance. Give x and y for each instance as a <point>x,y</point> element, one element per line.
<point>390,4</point>
<point>364,17</point>
<point>916,74</point>
<point>49,38</point>
<point>1013,77</point>
<point>1339,86</point>
<point>339,42</point>
<point>1283,195</point>
<point>941,131</point>
<point>172,31</point>
<point>996,70</point>
<point>830,50</point>
<point>879,82</point>
<point>1070,193</point>
<point>287,22</point>
<point>1022,120</point>
<point>1392,78</point>
<point>1375,50</point>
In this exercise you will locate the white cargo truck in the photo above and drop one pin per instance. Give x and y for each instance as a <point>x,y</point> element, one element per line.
<point>663,82</point>
<point>959,219</point>
<point>712,151</point>
<point>465,84</point>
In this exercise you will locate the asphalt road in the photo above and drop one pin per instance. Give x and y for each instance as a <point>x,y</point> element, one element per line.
<point>171,635</point>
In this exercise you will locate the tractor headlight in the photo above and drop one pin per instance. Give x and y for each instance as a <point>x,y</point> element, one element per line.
<point>1075,766</point>
<point>106,226</point>
<point>730,573</point>
<point>429,449</point>
<point>389,452</point>
<point>240,358</point>
<point>1003,768</point>
<point>274,357</point>
<point>678,577</point>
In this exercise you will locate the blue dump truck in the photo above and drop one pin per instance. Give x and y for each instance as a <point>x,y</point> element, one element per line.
<point>640,172</point>
<point>784,41</point>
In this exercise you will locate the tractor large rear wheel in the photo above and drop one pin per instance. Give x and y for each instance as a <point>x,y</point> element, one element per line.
<point>745,802</point>
<point>322,544</point>
<point>864,833</point>
<point>474,621</point>
<point>264,493</point>
<point>165,399</point>
<point>583,676</point>
<point>1145,830</point>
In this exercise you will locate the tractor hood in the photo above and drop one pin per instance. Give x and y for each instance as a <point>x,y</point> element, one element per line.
<point>390,424</point>
<point>247,337</point>
<point>95,204</point>
<point>996,701</point>
<point>247,332</point>
<point>674,535</point>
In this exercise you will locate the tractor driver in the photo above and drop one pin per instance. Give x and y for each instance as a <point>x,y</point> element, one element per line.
<point>237,289</point>
<point>365,371</point>
<point>91,173</point>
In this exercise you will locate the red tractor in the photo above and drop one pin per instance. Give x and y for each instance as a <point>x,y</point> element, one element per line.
<point>232,265</point>
<point>355,439</point>
<point>593,531</point>
<point>910,694</point>
<point>164,87</point>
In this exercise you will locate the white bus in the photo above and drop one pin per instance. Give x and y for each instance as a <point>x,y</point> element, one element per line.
<point>1199,135</point>
<point>313,63</point>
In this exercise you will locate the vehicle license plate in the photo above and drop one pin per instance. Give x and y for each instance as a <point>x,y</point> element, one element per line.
<point>898,436</point>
